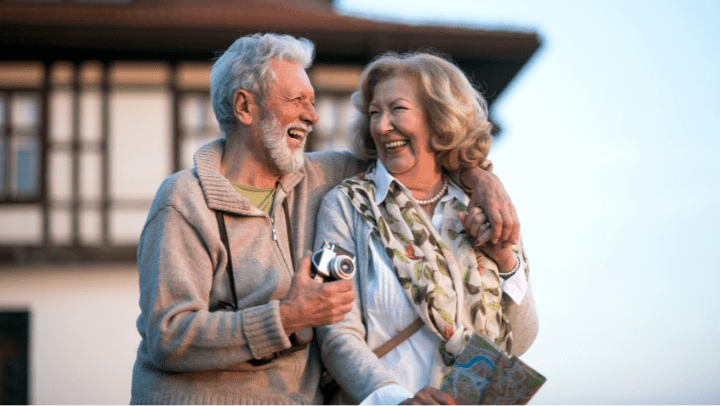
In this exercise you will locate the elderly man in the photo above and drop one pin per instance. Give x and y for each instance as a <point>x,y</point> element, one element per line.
<point>224,293</point>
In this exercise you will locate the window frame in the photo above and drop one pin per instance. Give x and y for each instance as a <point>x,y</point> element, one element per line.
<point>8,133</point>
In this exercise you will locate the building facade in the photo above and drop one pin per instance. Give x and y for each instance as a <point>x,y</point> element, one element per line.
<point>102,100</point>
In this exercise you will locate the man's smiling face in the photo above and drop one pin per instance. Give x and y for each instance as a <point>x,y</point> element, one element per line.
<point>288,115</point>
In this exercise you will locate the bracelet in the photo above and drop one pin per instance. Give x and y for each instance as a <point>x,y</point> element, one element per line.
<point>506,275</point>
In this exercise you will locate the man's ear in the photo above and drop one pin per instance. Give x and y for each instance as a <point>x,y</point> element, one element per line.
<point>243,106</point>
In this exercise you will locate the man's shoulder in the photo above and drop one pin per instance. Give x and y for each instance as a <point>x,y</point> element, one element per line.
<point>331,157</point>
<point>338,164</point>
<point>180,182</point>
<point>179,190</point>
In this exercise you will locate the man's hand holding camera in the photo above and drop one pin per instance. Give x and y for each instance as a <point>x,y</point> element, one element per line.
<point>310,303</point>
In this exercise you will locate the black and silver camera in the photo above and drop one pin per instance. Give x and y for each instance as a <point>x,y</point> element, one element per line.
<point>331,263</point>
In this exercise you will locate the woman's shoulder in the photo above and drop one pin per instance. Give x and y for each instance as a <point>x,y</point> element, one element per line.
<point>342,200</point>
<point>348,188</point>
<point>336,197</point>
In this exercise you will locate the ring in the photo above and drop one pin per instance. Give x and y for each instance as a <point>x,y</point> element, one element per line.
<point>486,224</point>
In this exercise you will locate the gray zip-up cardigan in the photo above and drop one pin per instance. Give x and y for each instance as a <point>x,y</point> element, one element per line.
<point>192,351</point>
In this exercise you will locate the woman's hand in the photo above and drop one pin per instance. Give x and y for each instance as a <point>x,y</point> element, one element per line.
<point>476,224</point>
<point>503,256</point>
<point>430,396</point>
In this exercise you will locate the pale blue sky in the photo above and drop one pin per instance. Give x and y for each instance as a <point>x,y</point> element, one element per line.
<point>611,137</point>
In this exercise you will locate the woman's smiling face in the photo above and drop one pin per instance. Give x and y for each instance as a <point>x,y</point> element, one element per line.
<point>399,127</point>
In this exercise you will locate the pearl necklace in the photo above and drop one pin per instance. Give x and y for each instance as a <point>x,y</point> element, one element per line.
<point>437,197</point>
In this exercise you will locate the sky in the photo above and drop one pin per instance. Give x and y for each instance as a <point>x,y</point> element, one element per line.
<point>609,151</point>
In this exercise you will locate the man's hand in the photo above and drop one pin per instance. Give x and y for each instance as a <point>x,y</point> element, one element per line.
<point>309,303</point>
<point>489,195</point>
<point>430,396</point>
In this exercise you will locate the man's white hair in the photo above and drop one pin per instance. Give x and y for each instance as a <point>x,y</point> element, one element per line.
<point>246,65</point>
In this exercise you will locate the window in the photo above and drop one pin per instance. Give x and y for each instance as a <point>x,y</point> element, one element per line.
<point>20,146</point>
<point>84,146</point>
<point>336,113</point>
<point>333,86</point>
<point>196,124</point>
<point>21,132</point>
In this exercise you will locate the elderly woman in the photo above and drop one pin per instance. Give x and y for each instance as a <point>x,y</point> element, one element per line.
<point>413,243</point>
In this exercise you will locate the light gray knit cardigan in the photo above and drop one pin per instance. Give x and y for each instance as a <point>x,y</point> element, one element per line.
<point>191,350</point>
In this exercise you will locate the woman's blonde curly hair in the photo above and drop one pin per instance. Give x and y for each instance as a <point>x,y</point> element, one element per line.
<point>456,112</point>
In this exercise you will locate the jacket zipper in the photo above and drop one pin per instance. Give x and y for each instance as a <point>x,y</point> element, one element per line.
<point>272,223</point>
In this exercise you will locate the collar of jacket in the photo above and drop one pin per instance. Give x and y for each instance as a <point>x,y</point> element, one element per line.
<point>219,192</point>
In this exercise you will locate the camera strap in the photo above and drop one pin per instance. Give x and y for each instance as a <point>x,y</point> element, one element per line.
<point>229,267</point>
<point>291,242</point>
<point>299,340</point>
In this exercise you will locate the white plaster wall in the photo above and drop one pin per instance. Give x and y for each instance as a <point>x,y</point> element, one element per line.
<point>20,224</point>
<point>83,338</point>
<point>140,156</point>
<point>140,143</point>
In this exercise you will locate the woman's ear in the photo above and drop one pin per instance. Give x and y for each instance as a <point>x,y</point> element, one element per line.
<point>243,105</point>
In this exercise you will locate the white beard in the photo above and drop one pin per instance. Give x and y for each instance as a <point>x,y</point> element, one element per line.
<point>274,139</point>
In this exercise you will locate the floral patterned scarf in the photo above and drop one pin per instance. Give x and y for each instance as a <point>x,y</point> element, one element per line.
<point>453,286</point>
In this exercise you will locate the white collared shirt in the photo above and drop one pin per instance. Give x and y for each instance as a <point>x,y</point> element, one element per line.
<point>413,361</point>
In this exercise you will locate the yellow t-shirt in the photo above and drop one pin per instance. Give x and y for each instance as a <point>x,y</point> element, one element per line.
<point>261,198</point>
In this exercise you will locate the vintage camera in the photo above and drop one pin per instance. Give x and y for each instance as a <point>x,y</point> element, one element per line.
<point>331,263</point>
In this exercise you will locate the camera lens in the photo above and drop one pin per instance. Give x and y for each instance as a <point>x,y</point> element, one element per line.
<point>342,267</point>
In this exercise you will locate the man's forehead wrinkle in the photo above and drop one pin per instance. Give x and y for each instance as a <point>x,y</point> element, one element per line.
<point>280,93</point>
<point>288,82</point>
<point>291,90</point>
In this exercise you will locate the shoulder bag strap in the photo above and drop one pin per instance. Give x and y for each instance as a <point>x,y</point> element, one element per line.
<point>399,338</point>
